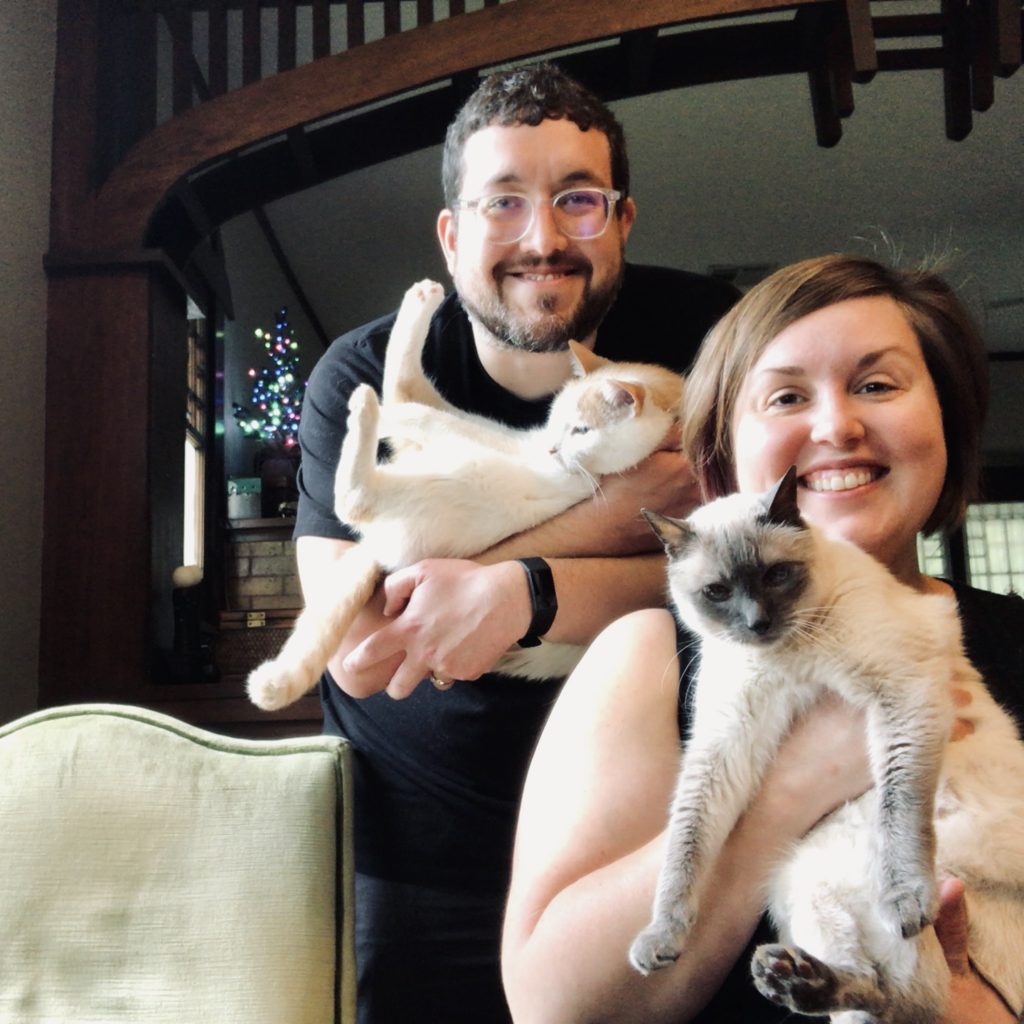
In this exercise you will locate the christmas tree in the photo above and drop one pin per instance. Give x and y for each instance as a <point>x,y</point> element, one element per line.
<point>277,390</point>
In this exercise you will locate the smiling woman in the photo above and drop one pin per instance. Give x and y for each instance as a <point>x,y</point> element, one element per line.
<point>872,382</point>
<point>844,395</point>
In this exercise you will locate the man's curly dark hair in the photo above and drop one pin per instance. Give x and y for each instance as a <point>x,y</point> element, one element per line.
<point>528,95</point>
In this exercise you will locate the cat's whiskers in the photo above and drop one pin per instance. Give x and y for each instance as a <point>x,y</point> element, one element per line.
<point>593,481</point>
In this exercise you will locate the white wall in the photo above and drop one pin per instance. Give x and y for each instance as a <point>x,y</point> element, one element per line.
<point>27,41</point>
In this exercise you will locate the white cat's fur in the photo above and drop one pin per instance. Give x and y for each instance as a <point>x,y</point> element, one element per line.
<point>458,484</point>
<point>864,877</point>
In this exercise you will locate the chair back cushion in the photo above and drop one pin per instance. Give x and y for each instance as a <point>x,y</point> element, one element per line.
<point>153,871</point>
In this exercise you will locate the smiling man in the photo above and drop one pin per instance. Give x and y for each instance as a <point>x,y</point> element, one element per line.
<point>534,230</point>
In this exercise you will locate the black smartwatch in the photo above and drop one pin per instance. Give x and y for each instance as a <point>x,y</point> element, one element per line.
<point>542,599</point>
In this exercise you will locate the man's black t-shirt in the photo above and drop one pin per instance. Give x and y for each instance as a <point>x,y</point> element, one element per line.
<point>439,775</point>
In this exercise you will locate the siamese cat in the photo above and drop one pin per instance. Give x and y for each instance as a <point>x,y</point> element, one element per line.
<point>458,483</point>
<point>782,612</point>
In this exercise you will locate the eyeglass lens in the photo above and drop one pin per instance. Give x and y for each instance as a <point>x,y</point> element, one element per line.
<point>579,213</point>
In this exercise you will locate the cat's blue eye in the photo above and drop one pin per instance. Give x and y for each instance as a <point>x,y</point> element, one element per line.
<point>717,592</point>
<point>580,430</point>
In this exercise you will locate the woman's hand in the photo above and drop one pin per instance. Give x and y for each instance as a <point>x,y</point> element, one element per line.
<point>971,999</point>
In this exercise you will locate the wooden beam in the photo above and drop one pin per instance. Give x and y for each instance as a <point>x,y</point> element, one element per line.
<point>96,554</point>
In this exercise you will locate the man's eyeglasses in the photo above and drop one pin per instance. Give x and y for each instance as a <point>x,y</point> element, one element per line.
<point>579,213</point>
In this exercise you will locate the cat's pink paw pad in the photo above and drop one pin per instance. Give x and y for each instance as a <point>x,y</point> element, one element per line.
<point>425,293</point>
<point>794,979</point>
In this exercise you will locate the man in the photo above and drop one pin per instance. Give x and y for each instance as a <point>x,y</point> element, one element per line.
<point>538,213</point>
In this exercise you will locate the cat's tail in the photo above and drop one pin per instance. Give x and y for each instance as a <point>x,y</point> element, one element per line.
<point>318,633</point>
<point>404,379</point>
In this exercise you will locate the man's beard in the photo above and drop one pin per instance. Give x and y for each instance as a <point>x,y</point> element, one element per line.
<point>547,332</point>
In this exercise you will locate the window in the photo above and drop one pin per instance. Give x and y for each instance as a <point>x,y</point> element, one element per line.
<point>195,440</point>
<point>994,533</point>
<point>993,540</point>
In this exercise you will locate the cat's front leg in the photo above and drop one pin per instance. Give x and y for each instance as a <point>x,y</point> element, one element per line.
<point>907,743</point>
<point>699,822</point>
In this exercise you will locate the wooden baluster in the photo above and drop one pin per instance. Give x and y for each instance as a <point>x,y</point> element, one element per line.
<point>392,17</point>
<point>815,33</point>
<point>217,77</point>
<point>179,21</point>
<point>982,54</point>
<point>1007,25</point>
<point>863,52</point>
<point>456,7</point>
<point>356,23</point>
<point>956,69</point>
<point>285,35</point>
<point>424,12</point>
<point>252,42</point>
<point>321,28</point>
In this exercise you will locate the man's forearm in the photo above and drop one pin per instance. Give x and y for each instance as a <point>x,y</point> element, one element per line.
<point>593,592</point>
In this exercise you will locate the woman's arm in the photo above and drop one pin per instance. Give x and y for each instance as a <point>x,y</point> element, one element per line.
<point>592,832</point>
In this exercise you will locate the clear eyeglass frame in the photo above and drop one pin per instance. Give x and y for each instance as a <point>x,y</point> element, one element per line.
<point>513,213</point>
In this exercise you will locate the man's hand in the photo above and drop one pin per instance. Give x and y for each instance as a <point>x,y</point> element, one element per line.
<point>449,616</point>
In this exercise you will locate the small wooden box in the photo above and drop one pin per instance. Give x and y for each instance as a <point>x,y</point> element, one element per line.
<point>246,639</point>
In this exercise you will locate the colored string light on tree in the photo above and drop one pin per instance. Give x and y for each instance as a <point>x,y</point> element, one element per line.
<point>276,393</point>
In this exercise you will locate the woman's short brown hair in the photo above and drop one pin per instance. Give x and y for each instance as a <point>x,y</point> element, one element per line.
<point>953,352</point>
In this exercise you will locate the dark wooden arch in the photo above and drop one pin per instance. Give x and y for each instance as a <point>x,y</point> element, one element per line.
<point>118,251</point>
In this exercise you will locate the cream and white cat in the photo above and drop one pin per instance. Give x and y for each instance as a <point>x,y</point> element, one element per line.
<point>782,612</point>
<point>457,484</point>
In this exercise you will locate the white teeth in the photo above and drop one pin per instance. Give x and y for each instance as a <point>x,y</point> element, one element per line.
<point>837,481</point>
<point>542,277</point>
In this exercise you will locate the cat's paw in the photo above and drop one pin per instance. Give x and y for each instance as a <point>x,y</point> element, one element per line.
<point>911,906</point>
<point>271,688</point>
<point>362,400</point>
<point>657,946</point>
<point>792,978</point>
<point>425,294</point>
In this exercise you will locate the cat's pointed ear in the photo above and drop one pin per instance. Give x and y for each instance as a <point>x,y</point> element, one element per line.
<point>583,360</point>
<point>675,534</point>
<point>780,502</point>
<point>621,394</point>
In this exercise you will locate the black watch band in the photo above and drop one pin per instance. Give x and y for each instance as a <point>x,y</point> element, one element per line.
<point>542,599</point>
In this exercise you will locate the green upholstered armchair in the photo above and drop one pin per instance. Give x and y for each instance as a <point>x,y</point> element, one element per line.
<point>151,871</point>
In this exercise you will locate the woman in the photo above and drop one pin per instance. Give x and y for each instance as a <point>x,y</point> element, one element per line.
<point>873,383</point>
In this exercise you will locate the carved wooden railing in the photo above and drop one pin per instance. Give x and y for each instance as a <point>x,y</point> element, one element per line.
<point>136,203</point>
